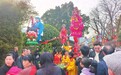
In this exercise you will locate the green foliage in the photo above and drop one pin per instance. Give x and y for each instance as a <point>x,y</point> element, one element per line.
<point>119,36</point>
<point>86,21</point>
<point>12,16</point>
<point>61,15</point>
<point>49,33</point>
<point>46,47</point>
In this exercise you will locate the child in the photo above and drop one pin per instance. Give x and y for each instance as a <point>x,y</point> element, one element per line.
<point>56,58</point>
<point>71,66</point>
<point>86,64</point>
<point>65,58</point>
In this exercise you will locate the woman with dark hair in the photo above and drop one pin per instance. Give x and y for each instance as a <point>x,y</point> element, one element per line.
<point>47,66</point>
<point>29,68</point>
<point>9,62</point>
<point>87,68</point>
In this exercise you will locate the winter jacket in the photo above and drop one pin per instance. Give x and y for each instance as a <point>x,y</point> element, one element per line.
<point>71,67</point>
<point>56,71</point>
<point>19,62</point>
<point>47,66</point>
<point>86,71</point>
<point>102,68</point>
<point>113,62</point>
<point>29,71</point>
<point>4,69</point>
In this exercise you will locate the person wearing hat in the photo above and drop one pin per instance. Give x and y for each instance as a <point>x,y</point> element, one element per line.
<point>29,68</point>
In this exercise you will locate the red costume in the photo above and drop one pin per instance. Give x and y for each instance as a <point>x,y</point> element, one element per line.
<point>63,35</point>
<point>56,59</point>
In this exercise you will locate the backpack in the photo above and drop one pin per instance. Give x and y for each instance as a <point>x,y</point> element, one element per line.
<point>13,71</point>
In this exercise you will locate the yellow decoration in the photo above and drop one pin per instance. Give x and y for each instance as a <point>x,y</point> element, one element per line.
<point>93,40</point>
<point>65,59</point>
<point>67,48</point>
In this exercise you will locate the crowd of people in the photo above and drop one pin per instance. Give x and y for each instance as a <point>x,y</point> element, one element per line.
<point>99,60</point>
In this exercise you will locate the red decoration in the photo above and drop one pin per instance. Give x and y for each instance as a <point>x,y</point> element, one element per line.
<point>46,42</point>
<point>32,20</point>
<point>114,37</point>
<point>76,26</point>
<point>76,47</point>
<point>76,29</point>
<point>75,39</point>
<point>63,35</point>
<point>31,35</point>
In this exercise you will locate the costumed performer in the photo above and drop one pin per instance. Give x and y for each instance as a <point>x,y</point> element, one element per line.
<point>40,27</point>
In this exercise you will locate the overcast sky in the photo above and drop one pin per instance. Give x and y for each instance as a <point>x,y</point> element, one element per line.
<point>41,6</point>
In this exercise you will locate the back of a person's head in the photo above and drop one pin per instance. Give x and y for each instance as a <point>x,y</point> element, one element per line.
<point>46,58</point>
<point>93,67</point>
<point>71,54</point>
<point>86,62</point>
<point>46,61</point>
<point>89,63</point>
<point>108,49</point>
<point>85,50</point>
<point>112,43</point>
<point>15,47</point>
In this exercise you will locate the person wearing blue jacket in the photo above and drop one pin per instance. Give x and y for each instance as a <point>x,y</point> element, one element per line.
<point>102,68</point>
<point>40,27</point>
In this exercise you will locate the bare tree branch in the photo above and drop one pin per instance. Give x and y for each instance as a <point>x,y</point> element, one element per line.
<point>105,15</point>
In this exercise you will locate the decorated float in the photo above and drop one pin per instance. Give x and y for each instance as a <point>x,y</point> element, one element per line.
<point>76,29</point>
<point>34,32</point>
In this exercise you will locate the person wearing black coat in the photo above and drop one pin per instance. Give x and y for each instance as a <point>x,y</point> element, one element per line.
<point>47,65</point>
<point>85,52</point>
<point>15,53</point>
<point>96,53</point>
<point>20,59</point>
<point>9,62</point>
<point>36,56</point>
<point>102,67</point>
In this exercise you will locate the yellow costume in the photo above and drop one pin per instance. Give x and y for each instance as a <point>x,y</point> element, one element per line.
<point>71,67</point>
<point>67,48</point>
<point>65,59</point>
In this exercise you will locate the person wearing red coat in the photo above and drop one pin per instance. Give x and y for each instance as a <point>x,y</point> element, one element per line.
<point>56,58</point>
<point>29,68</point>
